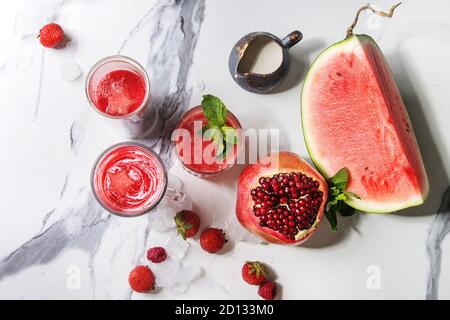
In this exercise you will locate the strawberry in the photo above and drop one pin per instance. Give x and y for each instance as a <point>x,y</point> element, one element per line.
<point>156,254</point>
<point>254,273</point>
<point>212,240</point>
<point>187,223</point>
<point>268,290</point>
<point>51,35</point>
<point>141,279</point>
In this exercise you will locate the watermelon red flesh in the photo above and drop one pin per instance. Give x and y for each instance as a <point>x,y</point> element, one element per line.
<point>353,116</point>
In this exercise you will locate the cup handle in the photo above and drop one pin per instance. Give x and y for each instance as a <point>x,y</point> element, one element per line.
<point>174,195</point>
<point>291,39</point>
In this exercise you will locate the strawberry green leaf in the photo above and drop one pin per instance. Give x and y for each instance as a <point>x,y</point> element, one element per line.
<point>181,225</point>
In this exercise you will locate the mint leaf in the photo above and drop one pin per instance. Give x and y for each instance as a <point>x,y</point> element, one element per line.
<point>331,204</point>
<point>222,135</point>
<point>345,210</point>
<point>334,191</point>
<point>214,110</point>
<point>332,219</point>
<point>228,148</point>
<point>340,179</point>
<point>230,134</point>
<point>220,147</point>
<point>337,195</point>
<point>217,139</point>
<point>341,197</point>
<point>209,132</point>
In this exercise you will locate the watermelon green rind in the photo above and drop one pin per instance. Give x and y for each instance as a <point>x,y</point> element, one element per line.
<point>357,204</point>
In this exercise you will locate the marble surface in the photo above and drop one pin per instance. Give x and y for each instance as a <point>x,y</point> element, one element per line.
<point>57,242</point>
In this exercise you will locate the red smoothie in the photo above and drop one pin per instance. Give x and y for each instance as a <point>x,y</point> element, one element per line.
<point>129,179</point>
<point>203,149</point>
<point>119,92</point>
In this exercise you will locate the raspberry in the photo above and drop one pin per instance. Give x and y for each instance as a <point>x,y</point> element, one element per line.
<point>268,290</point>
<point>156,254</point>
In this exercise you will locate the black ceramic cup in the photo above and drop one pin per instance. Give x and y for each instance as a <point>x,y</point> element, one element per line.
<point>246,49</point>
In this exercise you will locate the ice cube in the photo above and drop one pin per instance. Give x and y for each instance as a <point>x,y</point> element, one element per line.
<point>120,182</point>
<point>187,274</point>
<point>236,232</point>
<point>119,103</point>
<point>176,247</point>
<point>171,274</point>
<point>161,219</point>
<point>225,285</point>
<point>180,288</point>
<point>174,182</point>
<point>199,85</point>
<point>165,272</point>
<point>70,71</point>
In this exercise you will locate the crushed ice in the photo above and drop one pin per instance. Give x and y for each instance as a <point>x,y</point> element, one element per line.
<point>172,273</point>
<point>161,219</point>
<point>70,71</point>
<point>236,233</point>
<point>199,86</point>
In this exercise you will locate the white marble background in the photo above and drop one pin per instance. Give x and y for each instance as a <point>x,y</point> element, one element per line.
<point>52,229</point>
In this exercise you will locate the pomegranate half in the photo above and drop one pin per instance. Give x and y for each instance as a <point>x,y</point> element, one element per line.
<point>281,198</point>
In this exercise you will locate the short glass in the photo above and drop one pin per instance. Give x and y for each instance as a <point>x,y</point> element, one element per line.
<point>131,121</point>
<point>129,179</point>
<point>190,127</point>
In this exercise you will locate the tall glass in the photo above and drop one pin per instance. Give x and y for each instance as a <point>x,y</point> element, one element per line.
<point>129,179</point>
<point>120,84</point>
<point>192,150</point>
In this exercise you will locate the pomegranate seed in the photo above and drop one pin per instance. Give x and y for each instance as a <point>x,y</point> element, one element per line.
<point>277,207</point>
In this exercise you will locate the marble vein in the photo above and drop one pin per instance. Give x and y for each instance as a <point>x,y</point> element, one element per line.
<point>437,232</point>
<point>77,133</point>
<point>39,86</point>
<point>171,98</point>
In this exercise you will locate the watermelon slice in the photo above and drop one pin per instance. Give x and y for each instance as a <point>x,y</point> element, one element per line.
<point>353,116</point>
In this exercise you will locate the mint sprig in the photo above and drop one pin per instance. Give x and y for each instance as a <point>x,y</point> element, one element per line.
<point>216,129</point>
<point>337,195</point>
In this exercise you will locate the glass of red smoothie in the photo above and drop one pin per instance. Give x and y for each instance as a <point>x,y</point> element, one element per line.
<point>118,88</point>
<point>129,179</point>
<point>195,153</point>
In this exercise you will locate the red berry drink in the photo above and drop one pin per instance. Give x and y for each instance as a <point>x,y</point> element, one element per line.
<point>129,179</point>
<point>198,154</point>
<point>118,87</point>
<point>119,93</point>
